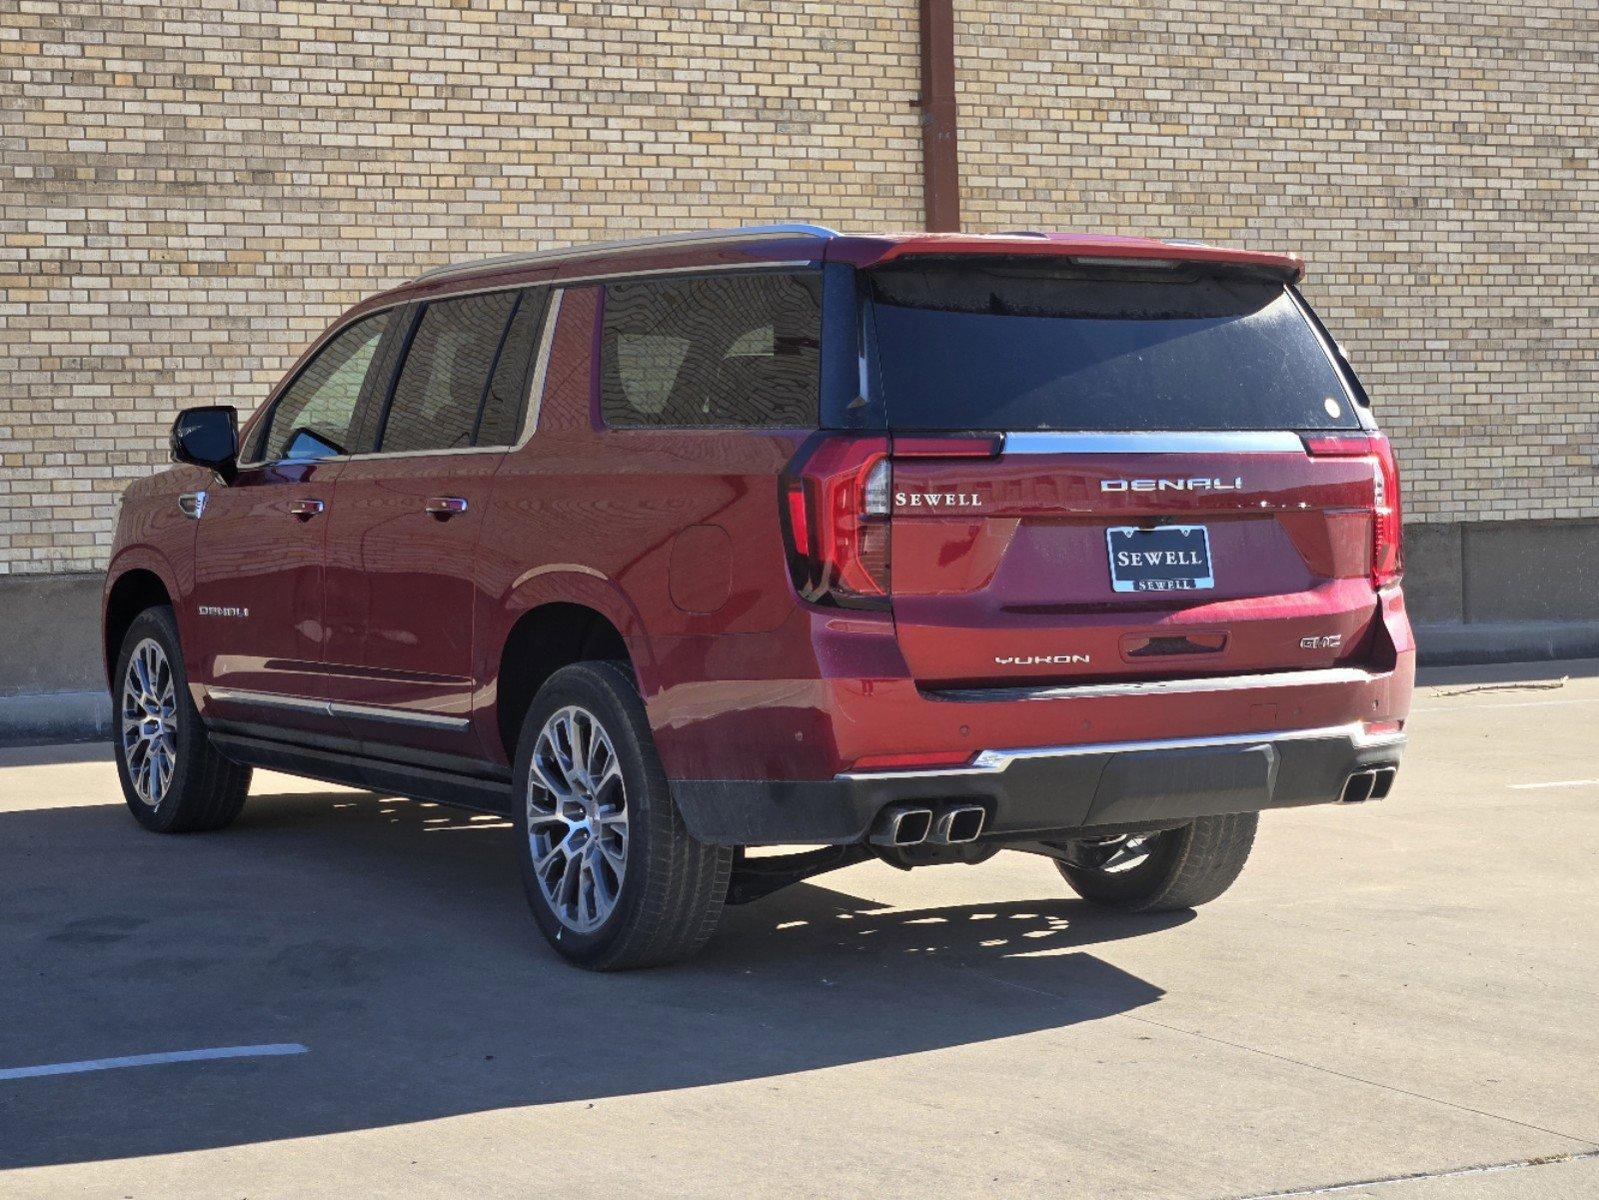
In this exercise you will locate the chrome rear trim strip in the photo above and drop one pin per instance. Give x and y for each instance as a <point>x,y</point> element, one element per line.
<point>992,762</point>
<point>1156,687</point>
<point>326,708</point>
<point>1219,442</point>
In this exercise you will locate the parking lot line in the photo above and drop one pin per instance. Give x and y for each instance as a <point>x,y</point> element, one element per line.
<point>1557,783</point>
<point>148,1060</point>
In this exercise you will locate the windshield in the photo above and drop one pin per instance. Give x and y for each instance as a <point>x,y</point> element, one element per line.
<point>1018,347</point>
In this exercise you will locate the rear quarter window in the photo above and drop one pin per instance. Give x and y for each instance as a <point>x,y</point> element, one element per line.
<point>739,349</point>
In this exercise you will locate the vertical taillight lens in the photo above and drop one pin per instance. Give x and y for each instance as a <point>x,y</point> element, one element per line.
<point>1387,545</point>
<point>835,510</point>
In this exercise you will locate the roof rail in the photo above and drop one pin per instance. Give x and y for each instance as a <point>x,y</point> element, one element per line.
<point>746,233</point>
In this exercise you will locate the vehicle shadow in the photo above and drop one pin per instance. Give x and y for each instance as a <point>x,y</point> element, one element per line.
<point>391,939</point>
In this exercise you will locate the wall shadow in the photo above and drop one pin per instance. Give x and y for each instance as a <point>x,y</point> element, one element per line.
<point>391,938</point>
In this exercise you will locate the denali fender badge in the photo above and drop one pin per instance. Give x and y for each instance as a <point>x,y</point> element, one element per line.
<point>937,500</point>
<point>1330,641</point>
<point>1236,484</point>
<point>222,610</point>
<point>1040,660</point>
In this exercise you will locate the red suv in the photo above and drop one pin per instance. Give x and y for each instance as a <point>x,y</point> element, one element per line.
<point>910,547</point>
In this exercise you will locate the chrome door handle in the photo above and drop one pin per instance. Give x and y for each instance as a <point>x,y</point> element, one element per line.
<point>445,507</point>
<point>306,509</point>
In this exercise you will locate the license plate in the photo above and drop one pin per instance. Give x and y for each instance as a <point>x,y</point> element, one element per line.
<point>1168,558</point>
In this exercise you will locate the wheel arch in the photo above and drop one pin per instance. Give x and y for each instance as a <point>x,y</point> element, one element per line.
<point>542,640</point>
<point>132,587</point>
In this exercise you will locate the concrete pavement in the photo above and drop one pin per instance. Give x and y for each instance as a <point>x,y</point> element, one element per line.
<point>1402,991</point>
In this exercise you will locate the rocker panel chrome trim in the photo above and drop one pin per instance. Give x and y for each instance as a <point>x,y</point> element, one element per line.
<point>337,708</point>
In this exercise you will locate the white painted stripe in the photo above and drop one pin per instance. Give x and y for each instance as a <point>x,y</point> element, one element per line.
<point>1557,783</point>
<point>1473,708</point>
<point>149,1060</point>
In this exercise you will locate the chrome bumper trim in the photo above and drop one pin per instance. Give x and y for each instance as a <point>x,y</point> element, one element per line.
<point>992,762</point>
<point>1157,687</point>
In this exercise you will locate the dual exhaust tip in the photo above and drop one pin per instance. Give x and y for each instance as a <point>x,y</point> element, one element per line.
<point>1371,784</point>
<point>911,825</point>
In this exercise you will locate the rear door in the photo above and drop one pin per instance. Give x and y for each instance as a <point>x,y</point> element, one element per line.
<point>1108,474</point>
<point>404,528</point>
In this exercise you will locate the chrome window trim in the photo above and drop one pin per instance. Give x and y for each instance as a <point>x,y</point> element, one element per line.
<point>1275,441</point>
<point>993,762</point>
<point>541,367</point>
<point>555,285</point>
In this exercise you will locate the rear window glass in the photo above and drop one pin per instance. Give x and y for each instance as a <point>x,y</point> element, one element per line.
<point>1020,348</point>
<point>738,349</point>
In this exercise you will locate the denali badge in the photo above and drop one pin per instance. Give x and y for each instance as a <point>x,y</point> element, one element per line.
<point>936,500</point>
<point>1040,660</point>
<point>1236,484</point>
<point>215,610</point>
<point>1330,642</point>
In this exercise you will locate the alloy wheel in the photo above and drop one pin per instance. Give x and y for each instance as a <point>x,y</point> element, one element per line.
<point>577,819</point>
<point>149,722</point>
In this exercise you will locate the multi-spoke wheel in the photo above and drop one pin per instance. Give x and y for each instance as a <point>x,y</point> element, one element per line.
<point>577,819</point>
<point>172,778</point>
<point>1158,872</point>
<point>149,722</point>
<point>613,877</point>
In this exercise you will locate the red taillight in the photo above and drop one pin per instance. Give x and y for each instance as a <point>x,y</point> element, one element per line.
<point>1387,545</point>
<point>835,517</point>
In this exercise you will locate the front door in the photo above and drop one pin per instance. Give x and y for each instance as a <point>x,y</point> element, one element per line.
<point>260,540</point>
<point>403,538</point>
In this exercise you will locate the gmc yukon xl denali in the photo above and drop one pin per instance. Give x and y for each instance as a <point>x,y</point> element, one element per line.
<point>673,551</point>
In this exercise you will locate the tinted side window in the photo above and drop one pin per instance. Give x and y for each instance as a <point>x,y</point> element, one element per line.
<point>441,385</point>
<point>739,349</point>
<point>506,400</point>
<point>320,404</point>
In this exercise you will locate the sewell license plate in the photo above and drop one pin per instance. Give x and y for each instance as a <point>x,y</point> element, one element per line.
<point>1168,558</point>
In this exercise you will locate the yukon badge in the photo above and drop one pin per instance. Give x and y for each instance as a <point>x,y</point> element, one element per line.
<point>1236,484</point>
<point>1040,660</point>
<point>937,500</point>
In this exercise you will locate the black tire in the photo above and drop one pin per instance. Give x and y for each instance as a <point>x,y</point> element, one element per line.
<point>203,790</point>
<point>1186,867</point>
<point>669,896</point>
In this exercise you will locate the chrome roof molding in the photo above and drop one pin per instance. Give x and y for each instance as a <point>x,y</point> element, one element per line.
<point>706,237</point>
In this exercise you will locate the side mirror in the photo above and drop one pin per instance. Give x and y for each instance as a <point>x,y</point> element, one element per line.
<point>209,438</point>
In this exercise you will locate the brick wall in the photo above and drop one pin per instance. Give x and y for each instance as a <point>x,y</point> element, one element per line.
<point>187,202</point>
<point>1436,161</point>
<point>188,195</point>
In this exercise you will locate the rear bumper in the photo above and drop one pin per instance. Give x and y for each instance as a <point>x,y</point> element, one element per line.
<point>1051,791</point>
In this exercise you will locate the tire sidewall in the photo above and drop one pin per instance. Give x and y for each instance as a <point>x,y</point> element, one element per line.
<point>596,687</point>
<point>158,625</point>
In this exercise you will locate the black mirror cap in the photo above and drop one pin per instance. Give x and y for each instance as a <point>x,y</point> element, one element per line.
<point>208,437</point>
